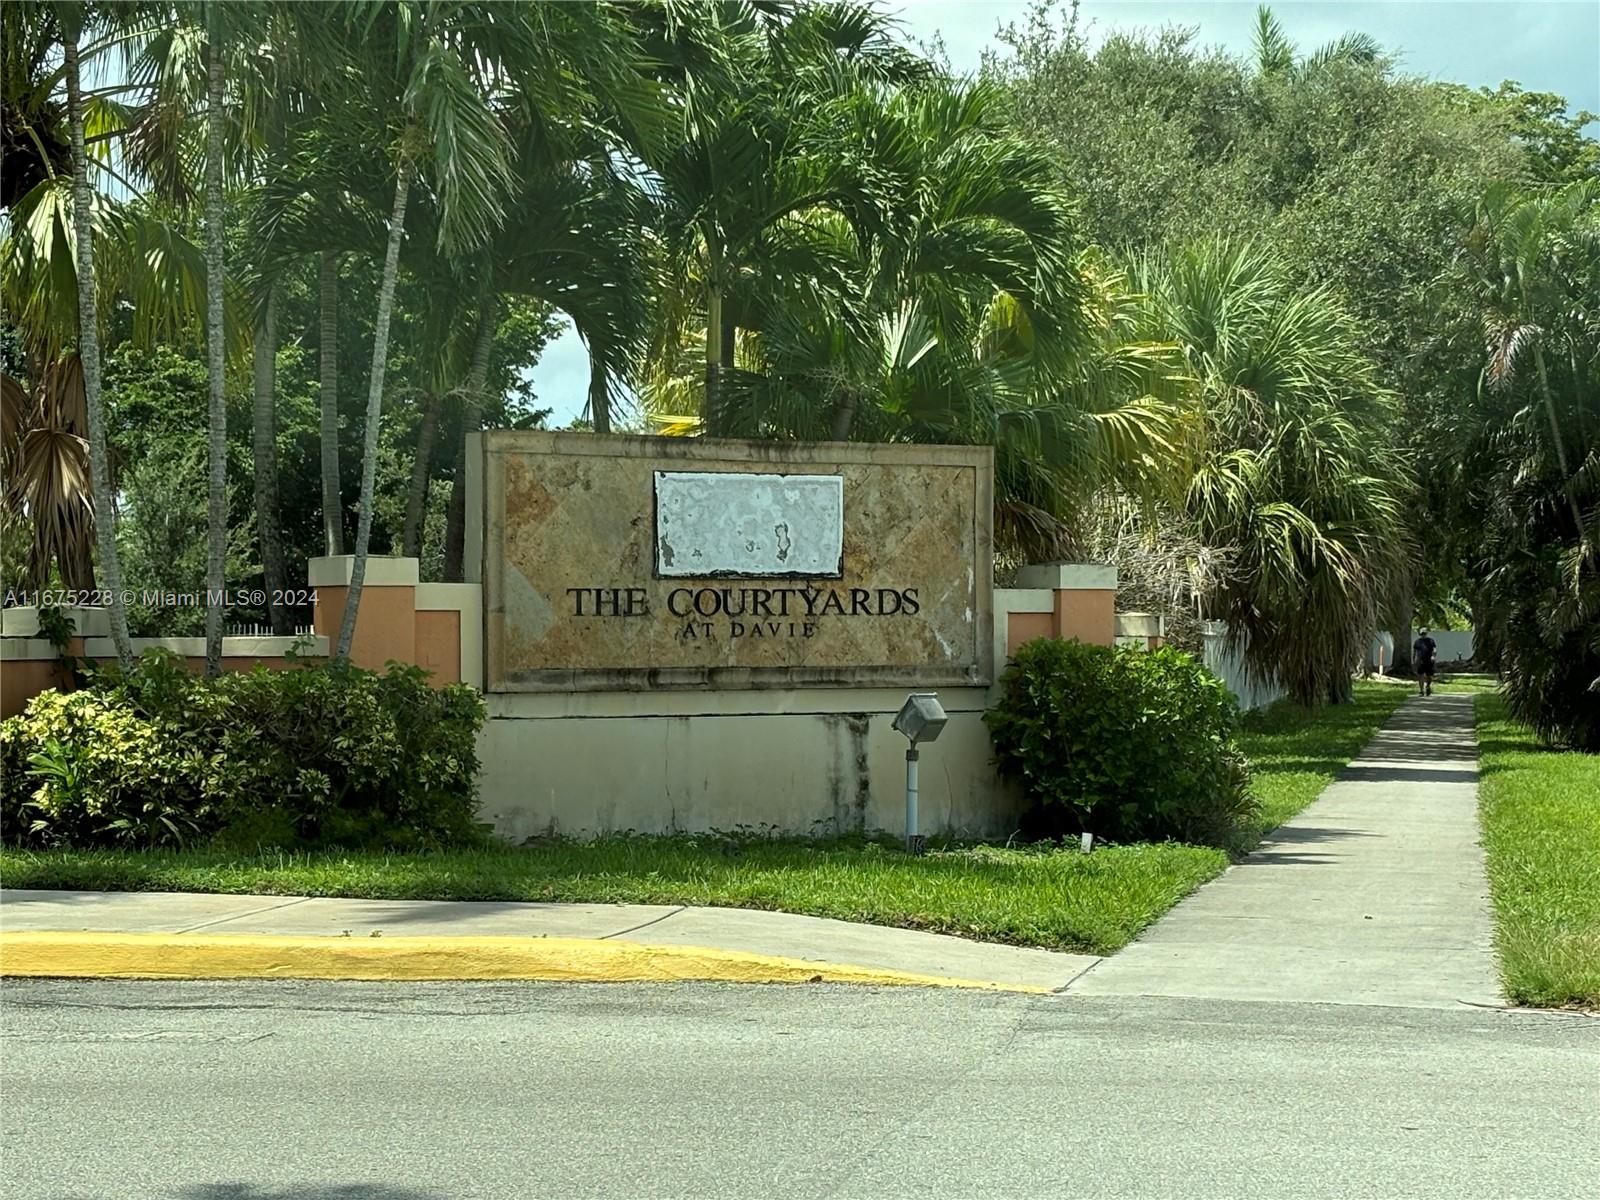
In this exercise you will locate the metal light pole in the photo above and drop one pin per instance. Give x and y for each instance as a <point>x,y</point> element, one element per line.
<point>921,718</point>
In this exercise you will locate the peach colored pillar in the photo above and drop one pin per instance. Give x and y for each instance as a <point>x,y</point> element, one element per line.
<point>1085,599</point>
<point>1023,627</point>
<point>386,625</point>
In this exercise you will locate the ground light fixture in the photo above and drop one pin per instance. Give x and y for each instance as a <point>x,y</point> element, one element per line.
<point>921,718</point>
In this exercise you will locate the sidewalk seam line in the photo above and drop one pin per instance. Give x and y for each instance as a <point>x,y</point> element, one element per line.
<point>682,908</point>
<point>1080,974</point>
<point>254,912</point>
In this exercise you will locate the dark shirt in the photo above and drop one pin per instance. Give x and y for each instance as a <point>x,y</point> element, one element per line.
<point>1423,650</point>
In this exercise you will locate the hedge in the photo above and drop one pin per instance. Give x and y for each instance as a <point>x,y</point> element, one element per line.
<point>316,754</point>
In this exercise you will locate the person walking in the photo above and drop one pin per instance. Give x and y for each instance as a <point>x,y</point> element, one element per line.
<point>1423,652</point>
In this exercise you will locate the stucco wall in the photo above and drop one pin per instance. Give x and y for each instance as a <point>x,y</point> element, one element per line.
<point>832,763</point>
<point>22,679</point>
<point>439,645</point>
<point>29,665</point>
<point>802,760</point>
<point>1026,626</point>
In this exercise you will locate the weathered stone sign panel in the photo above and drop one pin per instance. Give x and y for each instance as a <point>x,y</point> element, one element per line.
<point>632,563</point>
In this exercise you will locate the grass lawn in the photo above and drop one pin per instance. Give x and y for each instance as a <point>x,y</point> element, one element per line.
<point>1032,896</point>
<point>1540,810</point>
<point>1465,684</point>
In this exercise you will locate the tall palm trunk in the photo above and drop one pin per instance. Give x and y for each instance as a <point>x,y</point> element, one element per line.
<point>217,498</point>
<point>264,443</point>
<point>599,397</point>
<point>369,450</point>
<point>471,421</point>
<point>712,423</point>
<point>1403,627</point>
<point>328,393</point>
<point>843,417</point>
<point>1556,438</point>
<point>417,492</point>
<point>89,352</point>
<point>729,333</point>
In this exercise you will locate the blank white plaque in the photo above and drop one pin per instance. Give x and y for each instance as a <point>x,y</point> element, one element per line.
<point>726,523</point>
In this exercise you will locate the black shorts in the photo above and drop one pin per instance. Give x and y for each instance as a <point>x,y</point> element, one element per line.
<point>1425,666</point>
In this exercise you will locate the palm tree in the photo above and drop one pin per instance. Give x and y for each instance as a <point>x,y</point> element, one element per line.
<point>328,399</point>
<point>751,155</point>
<point>380,348</point>
<point>72,24</point>
<point>44,470</point>
<point>571,240</point>
<point>472,403</point>
<point>950,305</point>
<point>1275,53</point>
<point>216,350</point>
<point>247,52</point>
<point>1513,266</point>
<point>323,198</point>
<point>446,71</point>
<point>134,260</point>
<point>1525,474</point>
<point>569,236</point>
<point>457,336</point>
<point>1293,484</point>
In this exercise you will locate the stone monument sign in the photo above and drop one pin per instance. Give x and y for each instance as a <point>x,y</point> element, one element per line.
<point>626,563</point>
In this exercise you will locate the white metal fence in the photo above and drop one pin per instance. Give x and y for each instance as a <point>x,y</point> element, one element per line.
<point>1227,664</point>
<point>1454,646</point>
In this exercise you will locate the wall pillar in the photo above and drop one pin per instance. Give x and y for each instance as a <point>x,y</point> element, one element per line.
<point>386,626</point>
<point>30,663</point>
<point>1147,631</point>
<point>1085,599</point>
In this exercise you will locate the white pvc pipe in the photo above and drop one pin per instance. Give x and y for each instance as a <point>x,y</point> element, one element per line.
<point>911,797</point>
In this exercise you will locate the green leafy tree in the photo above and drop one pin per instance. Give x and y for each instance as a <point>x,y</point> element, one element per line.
<point>1293,481</point>
<point>1524,314</point>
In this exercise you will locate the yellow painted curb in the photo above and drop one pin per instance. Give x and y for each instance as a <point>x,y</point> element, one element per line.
<point>79,955</point>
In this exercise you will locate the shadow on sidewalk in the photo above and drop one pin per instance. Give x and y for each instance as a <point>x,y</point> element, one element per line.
<point>1403,773</point>
<point>1280,849</point>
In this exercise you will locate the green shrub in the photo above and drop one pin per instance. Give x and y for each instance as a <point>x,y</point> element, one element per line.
<point>85,769</point>
<point>1122,743</point>
<point>328,754</point>
<point>1551,675</point>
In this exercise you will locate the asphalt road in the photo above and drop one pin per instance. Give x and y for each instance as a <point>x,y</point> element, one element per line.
<point>333,1091</point>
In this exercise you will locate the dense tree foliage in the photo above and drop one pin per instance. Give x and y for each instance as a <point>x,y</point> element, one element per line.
<point>1393,200</point>
<point>1315,336</point>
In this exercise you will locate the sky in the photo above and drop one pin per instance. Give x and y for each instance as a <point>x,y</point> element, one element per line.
<point>1546,45</point>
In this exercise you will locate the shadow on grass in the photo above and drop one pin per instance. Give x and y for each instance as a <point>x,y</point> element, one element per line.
<point>1297,766</point>
<point>306,1191</point>
<point>1511,744</point>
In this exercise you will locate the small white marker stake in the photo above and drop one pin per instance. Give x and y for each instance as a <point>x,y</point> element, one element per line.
<point>1088,842</point>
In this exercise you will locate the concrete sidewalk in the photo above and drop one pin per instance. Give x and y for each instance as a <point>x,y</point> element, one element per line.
<point>758,935</point>
<point>1375,894</point>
